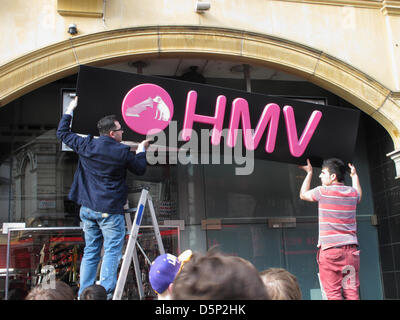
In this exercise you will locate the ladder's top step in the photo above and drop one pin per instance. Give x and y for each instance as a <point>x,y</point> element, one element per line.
<point>140,189</point>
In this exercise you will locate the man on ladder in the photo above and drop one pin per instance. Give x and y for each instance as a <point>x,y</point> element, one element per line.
<point>99,186</point>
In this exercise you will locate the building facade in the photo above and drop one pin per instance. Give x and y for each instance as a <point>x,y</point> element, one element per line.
<point>339,53</point>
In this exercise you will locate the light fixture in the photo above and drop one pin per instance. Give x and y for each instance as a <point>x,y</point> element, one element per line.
<point>193,75</point>
<point>139,65</point>
<point>202,6</point>
<point>245,69</point>
<point>72,29</point>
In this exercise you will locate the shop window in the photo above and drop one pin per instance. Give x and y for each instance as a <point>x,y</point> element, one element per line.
<point>162,182</point>
<point>4,190</point>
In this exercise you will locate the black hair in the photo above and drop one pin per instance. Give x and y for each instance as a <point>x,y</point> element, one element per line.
<point>335,166</point>
<point>94,292</point>
<point>106,124</point>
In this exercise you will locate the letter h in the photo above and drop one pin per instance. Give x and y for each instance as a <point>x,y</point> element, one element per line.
<point>190,117</point>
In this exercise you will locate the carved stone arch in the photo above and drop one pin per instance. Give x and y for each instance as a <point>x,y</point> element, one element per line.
<point>26,157</point>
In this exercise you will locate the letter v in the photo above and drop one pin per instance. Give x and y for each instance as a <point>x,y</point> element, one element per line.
<point>297,147</point>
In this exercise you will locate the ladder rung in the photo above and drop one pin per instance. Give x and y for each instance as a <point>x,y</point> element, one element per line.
<point>130,210</point>
<point>140,189</point>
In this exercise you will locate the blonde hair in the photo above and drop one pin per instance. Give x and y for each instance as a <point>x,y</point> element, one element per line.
<point>61,291</point>
<point>281,284</point>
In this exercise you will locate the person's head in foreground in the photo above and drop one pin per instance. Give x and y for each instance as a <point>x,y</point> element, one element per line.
<point>215,276</point>
<point>281,284</point>
<point>58,290</point>
<point>94,292</point>
<point>163,271</point>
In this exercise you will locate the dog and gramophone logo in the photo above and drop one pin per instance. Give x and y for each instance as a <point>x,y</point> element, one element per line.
<point>147,108</point>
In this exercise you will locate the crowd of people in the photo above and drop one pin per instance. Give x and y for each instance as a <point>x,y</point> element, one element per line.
<point>194,276</point>
<point>217,276</point>
<point>59,290</point>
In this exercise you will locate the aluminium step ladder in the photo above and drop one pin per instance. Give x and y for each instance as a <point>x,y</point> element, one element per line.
<point>130,250</point>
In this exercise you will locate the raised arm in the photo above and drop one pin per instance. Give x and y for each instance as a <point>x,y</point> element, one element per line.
<point>305,192</point>
<point>355,181</point>
<point>72,105</point>
<point>64,133</point>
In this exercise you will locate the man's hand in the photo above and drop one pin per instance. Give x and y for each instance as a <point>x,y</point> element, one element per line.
<point>305,192</point>
<point>307,168</point>
<point>144,145</point>
<point>355,181</point>
<point>72,105</point>
<point>353,170</point>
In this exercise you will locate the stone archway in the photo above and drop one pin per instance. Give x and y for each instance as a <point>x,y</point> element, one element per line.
<point>45,65</point>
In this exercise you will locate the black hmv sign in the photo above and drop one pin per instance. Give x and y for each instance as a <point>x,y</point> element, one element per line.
<point>274,128</point>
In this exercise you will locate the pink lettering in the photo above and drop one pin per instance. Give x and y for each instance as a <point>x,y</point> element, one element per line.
<point>191,117</point>
<point>297,147</point>
<point>240,109</point>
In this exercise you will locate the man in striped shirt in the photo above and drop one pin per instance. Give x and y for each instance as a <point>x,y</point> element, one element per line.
<point>338,256</point>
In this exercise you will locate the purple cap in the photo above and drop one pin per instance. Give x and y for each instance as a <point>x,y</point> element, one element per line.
<point>163,271</point>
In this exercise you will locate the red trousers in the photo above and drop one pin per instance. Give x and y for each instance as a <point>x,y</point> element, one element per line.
<point>339,272</point>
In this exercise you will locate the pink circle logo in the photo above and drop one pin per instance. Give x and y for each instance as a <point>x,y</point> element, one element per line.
<point>147,109</point>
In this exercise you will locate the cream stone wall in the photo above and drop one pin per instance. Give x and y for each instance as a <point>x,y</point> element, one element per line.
<point>348,47</point>
<point>355,34</point>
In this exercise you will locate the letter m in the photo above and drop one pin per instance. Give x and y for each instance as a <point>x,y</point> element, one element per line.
<point>240,110</point>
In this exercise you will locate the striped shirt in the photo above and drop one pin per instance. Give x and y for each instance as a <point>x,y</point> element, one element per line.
<point>337,206</point>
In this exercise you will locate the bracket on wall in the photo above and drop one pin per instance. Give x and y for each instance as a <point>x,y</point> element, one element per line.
<point>12,225</point>
<point>174,223</point>
<point>80,8</point>
<point>282,223</point>
<point>395,156</point>
<point>211,224</point>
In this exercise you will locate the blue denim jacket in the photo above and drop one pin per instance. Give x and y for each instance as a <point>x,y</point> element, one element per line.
<point>100,178</point>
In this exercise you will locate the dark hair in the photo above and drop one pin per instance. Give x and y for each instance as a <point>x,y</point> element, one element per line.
<point>218,277</point>
<point>335,166</point>
<point>45,291</point>
<point>106,124</point>
<point>94,292</point>
<point>281,284</point>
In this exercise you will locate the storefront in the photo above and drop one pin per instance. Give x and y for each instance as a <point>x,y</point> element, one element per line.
<point>257,216</point>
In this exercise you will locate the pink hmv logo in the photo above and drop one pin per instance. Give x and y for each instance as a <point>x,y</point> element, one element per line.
<point>147,109</point>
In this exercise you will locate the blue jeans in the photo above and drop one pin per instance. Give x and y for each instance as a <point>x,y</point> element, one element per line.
<point>98,228</point>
